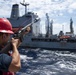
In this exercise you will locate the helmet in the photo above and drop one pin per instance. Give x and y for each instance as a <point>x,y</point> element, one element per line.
<point>5,26</point>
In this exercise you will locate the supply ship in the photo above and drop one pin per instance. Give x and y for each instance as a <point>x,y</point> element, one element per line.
<point>34,39</point>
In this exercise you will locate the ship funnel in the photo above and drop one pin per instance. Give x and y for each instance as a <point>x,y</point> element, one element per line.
<point>15,11</point>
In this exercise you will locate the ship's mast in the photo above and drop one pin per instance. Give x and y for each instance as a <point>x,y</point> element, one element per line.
<point>25,4</point>
<point>71,26</point>
<point>47,25</point>
<point>51,27</point>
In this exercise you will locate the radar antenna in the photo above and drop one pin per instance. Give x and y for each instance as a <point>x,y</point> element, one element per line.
<point>24,4</point>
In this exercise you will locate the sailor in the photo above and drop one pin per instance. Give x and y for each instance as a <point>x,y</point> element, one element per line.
<point>9,64</point>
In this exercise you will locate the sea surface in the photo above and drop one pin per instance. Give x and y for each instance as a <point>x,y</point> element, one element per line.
<point>47,62</point>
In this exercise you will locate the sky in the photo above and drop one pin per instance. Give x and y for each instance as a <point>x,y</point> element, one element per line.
<point>60,11</point>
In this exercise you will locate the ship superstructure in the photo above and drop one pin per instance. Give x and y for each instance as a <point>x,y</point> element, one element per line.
<point>20,21</point>
<point>35,39</point>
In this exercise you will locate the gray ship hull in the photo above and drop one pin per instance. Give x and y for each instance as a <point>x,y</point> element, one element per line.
<point>52,45</point>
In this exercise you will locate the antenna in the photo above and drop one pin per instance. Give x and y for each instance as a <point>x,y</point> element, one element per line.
<point>24,4</point>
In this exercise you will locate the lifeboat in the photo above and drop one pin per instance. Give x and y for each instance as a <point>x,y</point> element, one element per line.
<point>64,37</point>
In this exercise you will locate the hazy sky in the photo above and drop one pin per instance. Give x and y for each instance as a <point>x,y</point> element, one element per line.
<point>59,10</point>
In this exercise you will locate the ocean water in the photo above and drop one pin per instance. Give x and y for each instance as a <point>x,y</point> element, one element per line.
<point>46,62</point>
